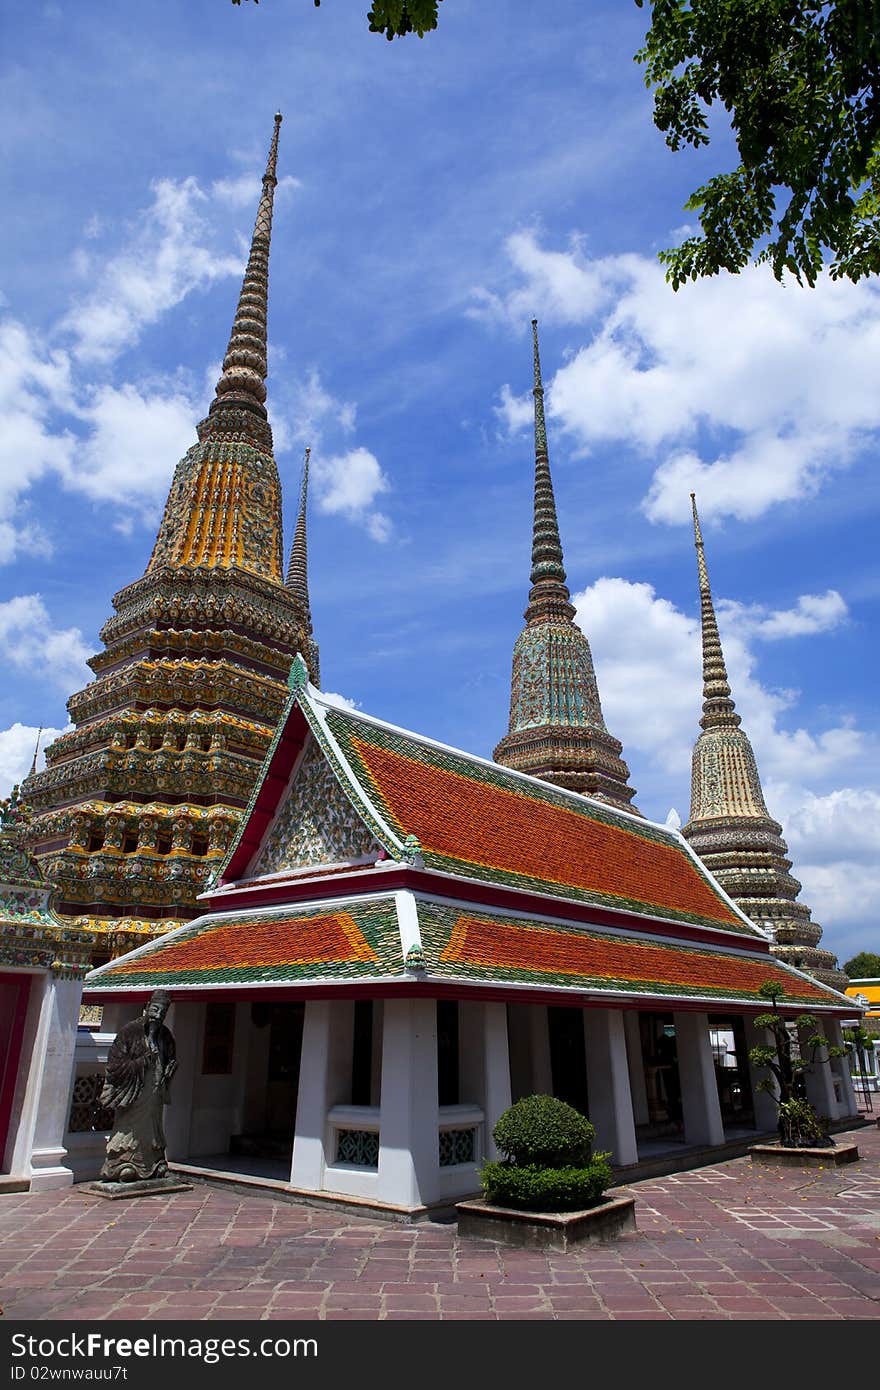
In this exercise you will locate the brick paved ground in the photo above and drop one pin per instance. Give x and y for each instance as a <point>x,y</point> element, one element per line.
<point>729,1241</point>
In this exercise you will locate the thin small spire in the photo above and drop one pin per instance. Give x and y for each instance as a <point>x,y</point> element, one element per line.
<point>719,710</point>
<point>297,580</point>
<point>548,569</point>
<point>36,751</point>
<point>242,383</point>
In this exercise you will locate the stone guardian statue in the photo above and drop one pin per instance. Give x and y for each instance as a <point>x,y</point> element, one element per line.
<point>140,1064</point>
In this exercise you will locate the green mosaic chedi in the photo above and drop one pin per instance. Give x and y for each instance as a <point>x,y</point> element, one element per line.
<point>729,825</point>
<point>557,730</point>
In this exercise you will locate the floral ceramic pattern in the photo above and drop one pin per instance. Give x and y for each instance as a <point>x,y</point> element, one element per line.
<point>317,824</point>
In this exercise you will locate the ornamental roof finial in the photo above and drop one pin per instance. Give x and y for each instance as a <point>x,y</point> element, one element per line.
<point>548,571</point>
<point>242,384</point>
<point>36,751</point>
<point>719,710</point>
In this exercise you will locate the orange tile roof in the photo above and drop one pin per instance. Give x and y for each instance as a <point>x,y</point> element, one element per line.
<point>486,946</point>
<point>482,821</point>
<point>364,939</point>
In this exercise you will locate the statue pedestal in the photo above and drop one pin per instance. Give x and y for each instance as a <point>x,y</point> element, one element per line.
<point>148,1187</point>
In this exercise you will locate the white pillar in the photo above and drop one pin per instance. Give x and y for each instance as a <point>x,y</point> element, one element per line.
<point>409,1157</point>
<point>611,1110</point>
<point>324,1081</point>
<point>818,1079</point>
<point>636,1063</point>
<point>842,1069</point>
<point>496,1071</point>
<point>696,1071</point>
<point>59,1018</point>
<point>765,1103</point>
<point>186,1021</point>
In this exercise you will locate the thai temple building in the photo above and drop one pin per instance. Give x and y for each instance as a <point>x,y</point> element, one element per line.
<point>139,802</point>
<point>557,730</point>
<point>729,825</point>
<point>42,965</point>
<point>404,937</point>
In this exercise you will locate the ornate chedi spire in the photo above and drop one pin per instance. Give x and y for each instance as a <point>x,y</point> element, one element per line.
<point>297,581</point>
<point>730,827</point>
<point>557,730</point>
<point>224,506</point>
<point>137,804</point>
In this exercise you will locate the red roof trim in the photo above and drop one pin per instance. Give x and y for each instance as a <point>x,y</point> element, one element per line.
<point>436,989</point>
<point>271,789</point>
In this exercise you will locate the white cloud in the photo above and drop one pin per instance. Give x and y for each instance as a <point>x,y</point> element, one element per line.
<point>342,701</point>
<point>348,484</point>
<point>17,745</point>
<point>642,644</point>
<point>813,613</point>
<point>166,257</point>
<point>244,190</point>
<point>315,410</point>
<point>29,642</point>
<point>564,286</point>
<point>136,439</point>
<point>33,384</point>
<point>745,392</point>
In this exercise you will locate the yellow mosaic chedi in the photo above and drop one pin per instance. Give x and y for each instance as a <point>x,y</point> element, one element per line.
<point>730,827</point>
<point>141,799</point>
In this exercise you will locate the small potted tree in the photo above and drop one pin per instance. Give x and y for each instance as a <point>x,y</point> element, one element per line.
<point>548,1188</point>
<point>803,1134</point>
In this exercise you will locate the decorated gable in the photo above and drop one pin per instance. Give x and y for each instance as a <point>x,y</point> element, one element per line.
<point>315,823</point>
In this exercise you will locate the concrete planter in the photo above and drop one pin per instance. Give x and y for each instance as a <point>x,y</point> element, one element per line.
<point>832,1157</point>
<point>547,1230</point>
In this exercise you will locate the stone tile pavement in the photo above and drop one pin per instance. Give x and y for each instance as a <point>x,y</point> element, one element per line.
<point>724,1242</point>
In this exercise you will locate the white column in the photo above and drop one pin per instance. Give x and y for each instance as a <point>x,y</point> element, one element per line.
<point>27,1086</point>
<point>608,1089</point>
<point>842,1069</point>
<point>696,1071</point>
<point>496,1071</point>
<point>765,1102</point>
<point>818,1079</point>
<point>54,1079</point>
<point>186,1021</point>
<point>409,1158</point>
<point>324,1081</point>
<point>636,1063</point>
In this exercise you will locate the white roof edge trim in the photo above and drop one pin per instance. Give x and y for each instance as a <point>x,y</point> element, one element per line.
<point>319,708</point>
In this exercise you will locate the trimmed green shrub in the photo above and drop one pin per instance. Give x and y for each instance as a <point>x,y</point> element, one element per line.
<point>532,1188</point>
<point>544,1131</point>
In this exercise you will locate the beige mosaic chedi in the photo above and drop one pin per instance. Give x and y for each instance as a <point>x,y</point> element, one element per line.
<point>141,799</point>
<point>729,825</point>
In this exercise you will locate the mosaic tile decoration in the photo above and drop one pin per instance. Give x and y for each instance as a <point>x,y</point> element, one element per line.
<point>490,947</point>
<point>363,940</point>
<point>317,823</point>
<point>482,822</point>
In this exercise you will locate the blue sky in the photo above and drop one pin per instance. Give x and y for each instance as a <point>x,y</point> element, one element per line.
<point>433,196</point>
